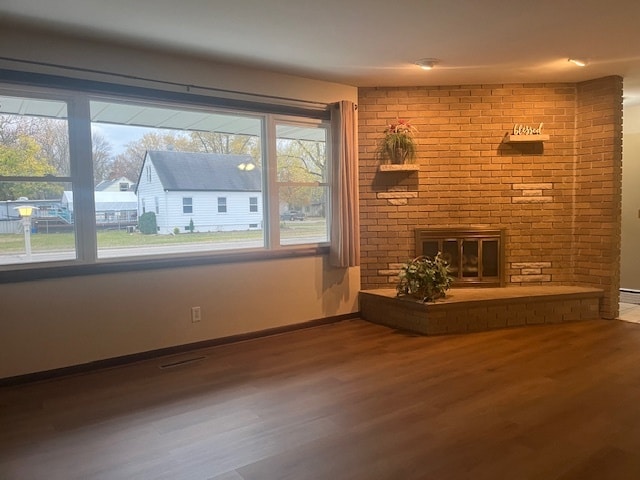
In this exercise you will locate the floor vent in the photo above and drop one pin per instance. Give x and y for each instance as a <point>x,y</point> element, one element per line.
<point>180,363</point>
<point>630,296</point>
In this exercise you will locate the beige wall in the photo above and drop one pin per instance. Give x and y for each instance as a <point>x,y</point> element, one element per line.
<point>630,260</point>
<point>56,323</point>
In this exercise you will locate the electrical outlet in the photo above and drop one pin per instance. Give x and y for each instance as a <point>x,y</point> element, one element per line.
<point>196,314</point>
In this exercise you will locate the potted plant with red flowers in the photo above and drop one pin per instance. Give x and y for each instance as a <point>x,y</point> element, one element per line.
<point>398,144</point>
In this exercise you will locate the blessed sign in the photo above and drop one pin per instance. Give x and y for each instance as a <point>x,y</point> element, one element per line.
<point>524,130</point>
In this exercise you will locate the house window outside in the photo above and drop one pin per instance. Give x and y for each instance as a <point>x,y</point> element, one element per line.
<point>279,160</point>
<point>222,204</point>
<point>187,205</point>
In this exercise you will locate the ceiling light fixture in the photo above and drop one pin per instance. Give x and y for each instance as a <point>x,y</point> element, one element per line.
<point>578,62</point>
<point>427,63</point>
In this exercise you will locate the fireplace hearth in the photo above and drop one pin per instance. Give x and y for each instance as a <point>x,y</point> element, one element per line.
<point>475,255</point>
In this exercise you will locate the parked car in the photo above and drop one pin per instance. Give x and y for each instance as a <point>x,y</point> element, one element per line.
<point>292,215</point>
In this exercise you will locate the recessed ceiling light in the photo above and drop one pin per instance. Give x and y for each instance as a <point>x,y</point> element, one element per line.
<point>427,63</point>
<point>578,62</point>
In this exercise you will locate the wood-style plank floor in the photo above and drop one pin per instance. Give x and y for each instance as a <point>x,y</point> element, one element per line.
<point>350,400</point>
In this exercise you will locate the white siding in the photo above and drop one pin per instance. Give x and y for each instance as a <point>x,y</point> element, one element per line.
<point>206,217</point>
<point>150,188</point>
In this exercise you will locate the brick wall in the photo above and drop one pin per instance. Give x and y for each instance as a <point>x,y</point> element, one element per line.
<point>598,177</point>
<point>557,200</point>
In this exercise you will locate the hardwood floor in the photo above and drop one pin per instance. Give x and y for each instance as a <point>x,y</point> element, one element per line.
<point>350,400</point>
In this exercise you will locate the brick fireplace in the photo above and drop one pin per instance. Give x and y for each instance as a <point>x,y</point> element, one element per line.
<point>558,201</point>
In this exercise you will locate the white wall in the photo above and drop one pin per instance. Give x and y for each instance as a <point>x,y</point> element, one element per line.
<point>630,258</point>
<point>55,323</point>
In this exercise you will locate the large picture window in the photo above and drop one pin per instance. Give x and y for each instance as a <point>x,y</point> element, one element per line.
<point>138,168</point>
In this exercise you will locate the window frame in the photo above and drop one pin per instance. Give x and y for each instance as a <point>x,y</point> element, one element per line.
<point>253,204</point>
<point>222,205</point>
<point>187,205</point>
<point>77,94</point>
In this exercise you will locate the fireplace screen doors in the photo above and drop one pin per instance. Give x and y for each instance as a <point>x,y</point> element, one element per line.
<point>475,256</point>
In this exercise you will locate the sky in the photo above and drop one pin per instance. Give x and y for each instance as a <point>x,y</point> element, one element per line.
<point>119,135</point>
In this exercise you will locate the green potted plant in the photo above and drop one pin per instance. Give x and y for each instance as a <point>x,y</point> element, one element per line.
<point>398,144</point>
<point>424,278</point>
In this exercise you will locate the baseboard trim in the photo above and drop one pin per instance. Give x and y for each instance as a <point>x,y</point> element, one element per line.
<point>151,354</point>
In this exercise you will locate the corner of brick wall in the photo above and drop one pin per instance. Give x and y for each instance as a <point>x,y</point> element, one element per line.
<point>468,176</point>
<point>598,204</point>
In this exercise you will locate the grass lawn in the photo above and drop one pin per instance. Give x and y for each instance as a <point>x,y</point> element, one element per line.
<point>43,242</point>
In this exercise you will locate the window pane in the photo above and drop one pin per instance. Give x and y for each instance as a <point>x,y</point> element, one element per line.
<point>307,224</point>
<point>180,161</point>
<point>253,204</point>
<point>302,155</point>
<point>187,205</point>
<point>36,219</point>
<point>34,138</point>
<point>303,189</point>
<point>222,205</point>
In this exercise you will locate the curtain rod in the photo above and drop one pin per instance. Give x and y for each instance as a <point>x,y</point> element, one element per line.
<point>188,88</point>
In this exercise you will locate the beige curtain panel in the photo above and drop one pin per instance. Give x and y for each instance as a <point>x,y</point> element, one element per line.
<point>345,231</point>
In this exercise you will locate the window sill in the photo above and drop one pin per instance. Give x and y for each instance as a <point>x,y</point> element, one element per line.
<point>140,264</point>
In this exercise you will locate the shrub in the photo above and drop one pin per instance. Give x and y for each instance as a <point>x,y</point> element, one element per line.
<point>147,223</point>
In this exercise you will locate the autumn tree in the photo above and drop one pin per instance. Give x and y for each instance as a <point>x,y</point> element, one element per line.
<point>129,163</point>
<point>24,158</point>
<point>225,143</point>
<point>301,161</point>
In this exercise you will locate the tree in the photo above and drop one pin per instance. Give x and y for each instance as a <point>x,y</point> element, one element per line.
<point>102,159</point>
<point>301,161</point>
<point>225,143</point>
<point>129,163</point>
<point>124,165</point>
<point>53,137</point>
<point>25,159</point>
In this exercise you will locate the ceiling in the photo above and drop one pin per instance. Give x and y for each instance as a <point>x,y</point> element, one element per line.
<point>371,42</point>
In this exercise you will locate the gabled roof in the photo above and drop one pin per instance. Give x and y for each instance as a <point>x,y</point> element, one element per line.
<point>105,185</point>
<point>186,171</point>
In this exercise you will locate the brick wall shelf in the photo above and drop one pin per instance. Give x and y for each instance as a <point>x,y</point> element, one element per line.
<point>407,167</point>
<point>526,138</point>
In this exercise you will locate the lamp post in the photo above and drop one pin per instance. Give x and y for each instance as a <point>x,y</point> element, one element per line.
<point>25,212</point>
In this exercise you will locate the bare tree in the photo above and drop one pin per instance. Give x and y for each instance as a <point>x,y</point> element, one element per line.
<point>102,159</point>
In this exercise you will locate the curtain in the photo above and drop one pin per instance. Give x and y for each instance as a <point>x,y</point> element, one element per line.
<point>345,226</point>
